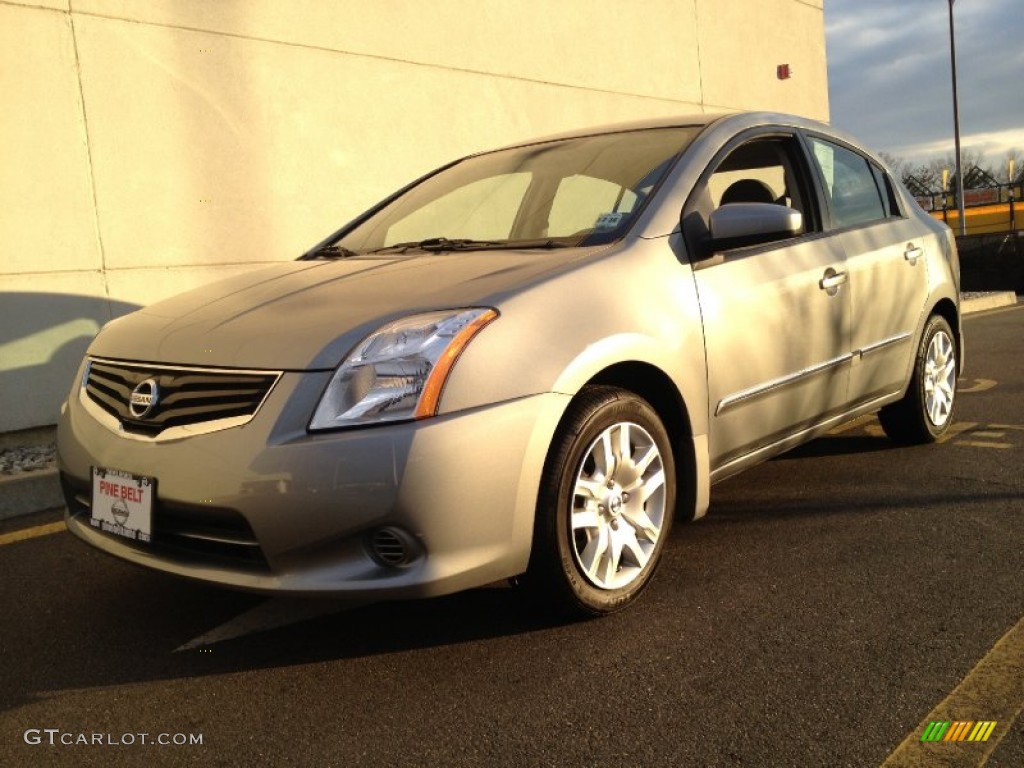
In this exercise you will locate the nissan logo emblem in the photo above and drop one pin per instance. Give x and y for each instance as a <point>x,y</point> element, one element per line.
<point>144,398</point>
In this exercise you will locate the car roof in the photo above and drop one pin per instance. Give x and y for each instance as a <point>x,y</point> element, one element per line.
<point>742,119</point>
<point>734,122</point>
<point>678,121</point>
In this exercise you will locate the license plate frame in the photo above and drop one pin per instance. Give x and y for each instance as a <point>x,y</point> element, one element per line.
<point>122,503</point>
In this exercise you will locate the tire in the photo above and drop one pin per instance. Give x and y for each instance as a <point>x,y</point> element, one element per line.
<point>926,410</point>
<point>599,534</point>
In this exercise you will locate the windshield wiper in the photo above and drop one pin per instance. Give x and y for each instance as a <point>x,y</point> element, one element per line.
<point>545,242</point>
<point>439,244</point>
<point>333,251</point>
<point>465,244</point>
<point>457,244</point>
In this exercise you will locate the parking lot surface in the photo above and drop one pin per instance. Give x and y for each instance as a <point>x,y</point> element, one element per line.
<point>832,601</point>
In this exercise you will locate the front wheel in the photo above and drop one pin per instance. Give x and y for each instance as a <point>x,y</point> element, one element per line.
<point>606,503</point>
<point>926,411</point>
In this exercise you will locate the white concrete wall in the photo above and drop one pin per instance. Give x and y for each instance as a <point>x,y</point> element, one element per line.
<point>147,146</point>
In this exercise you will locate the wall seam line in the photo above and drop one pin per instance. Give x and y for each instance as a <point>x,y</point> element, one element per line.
<point>378,57</point>
<point>700,64</point>
<point>89,163</point>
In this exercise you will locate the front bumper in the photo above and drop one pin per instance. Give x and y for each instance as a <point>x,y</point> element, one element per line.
<point>269,507</point>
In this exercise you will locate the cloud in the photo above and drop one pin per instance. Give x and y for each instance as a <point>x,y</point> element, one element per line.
<point>890,78</point>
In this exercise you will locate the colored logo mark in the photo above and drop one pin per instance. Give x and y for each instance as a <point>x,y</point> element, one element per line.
<point>958,730</point>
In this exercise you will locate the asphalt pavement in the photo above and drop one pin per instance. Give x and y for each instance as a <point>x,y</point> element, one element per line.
<point>832,602</point>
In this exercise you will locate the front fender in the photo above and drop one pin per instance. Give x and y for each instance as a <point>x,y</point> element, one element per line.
<point>637,304</point>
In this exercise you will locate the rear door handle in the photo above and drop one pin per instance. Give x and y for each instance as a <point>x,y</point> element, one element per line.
<point>831,281</point>
<point>913,253</point>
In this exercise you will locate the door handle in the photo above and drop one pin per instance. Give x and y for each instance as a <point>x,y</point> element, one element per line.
<point>832,280</point>
<point>913,253</point>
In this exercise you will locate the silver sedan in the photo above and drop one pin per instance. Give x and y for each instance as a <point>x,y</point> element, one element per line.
<point>521,366</point>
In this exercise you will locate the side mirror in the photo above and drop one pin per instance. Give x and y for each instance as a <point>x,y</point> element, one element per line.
<point>739,224</point>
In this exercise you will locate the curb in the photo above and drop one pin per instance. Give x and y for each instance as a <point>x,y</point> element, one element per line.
<point>40,490</point>
<point>29,492</point>
<point>987,301</point>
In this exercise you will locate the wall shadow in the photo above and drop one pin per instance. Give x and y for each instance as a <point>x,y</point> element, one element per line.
<point>43,337</point>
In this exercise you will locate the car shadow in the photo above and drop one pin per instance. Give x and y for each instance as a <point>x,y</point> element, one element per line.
<point>121,624</point>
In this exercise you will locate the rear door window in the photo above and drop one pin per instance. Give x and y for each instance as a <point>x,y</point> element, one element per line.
<point>849,185</point>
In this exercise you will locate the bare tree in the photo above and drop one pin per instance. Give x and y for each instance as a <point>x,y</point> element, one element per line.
<point>898,165</point>
<point>926,178</point>
<point>971,158</point>
<point>976,172</point>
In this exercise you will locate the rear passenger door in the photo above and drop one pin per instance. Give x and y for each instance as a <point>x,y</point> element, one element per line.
<point>884,252</point>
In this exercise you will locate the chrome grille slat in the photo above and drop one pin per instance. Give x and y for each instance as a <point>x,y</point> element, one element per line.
<point>216,539</point>
<point>187,395</point>
<point>193,414</point>
<point>242,395</point>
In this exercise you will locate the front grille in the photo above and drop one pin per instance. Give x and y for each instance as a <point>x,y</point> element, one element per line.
<point>185,395</point>
<point>202,535</point>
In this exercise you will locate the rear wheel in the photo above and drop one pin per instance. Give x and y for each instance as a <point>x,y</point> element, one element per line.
<point>606,504</point>
<point>926,411</point>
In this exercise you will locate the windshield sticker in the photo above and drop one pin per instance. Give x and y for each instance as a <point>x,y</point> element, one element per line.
<point>609,220</point>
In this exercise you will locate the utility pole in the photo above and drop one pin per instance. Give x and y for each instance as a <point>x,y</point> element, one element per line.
<point>1013,213</point>
<point>956,128</point>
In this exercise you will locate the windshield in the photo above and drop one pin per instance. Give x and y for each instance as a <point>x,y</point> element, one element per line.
<point>583,191</point>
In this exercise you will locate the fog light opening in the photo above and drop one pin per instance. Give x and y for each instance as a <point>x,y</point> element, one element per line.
<point>392,547</point>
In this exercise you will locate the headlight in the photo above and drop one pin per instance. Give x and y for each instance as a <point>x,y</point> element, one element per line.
<point>398,372</point>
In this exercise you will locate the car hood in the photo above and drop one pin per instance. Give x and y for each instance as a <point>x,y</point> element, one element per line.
<point>306,315</point>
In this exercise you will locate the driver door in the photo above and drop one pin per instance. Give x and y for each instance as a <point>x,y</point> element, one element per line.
<point>776,315</point>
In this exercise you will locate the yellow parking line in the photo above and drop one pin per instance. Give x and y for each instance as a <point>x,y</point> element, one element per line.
<point>983,444</point>
<point>956,429</point>
<point>32,533</point>
<point>979,385</point>
<point>992,691</point>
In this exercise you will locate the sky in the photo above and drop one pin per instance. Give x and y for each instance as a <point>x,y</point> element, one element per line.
<point>890,83</point>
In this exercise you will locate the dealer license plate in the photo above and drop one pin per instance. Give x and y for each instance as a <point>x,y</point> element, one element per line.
<point>122,503</point>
